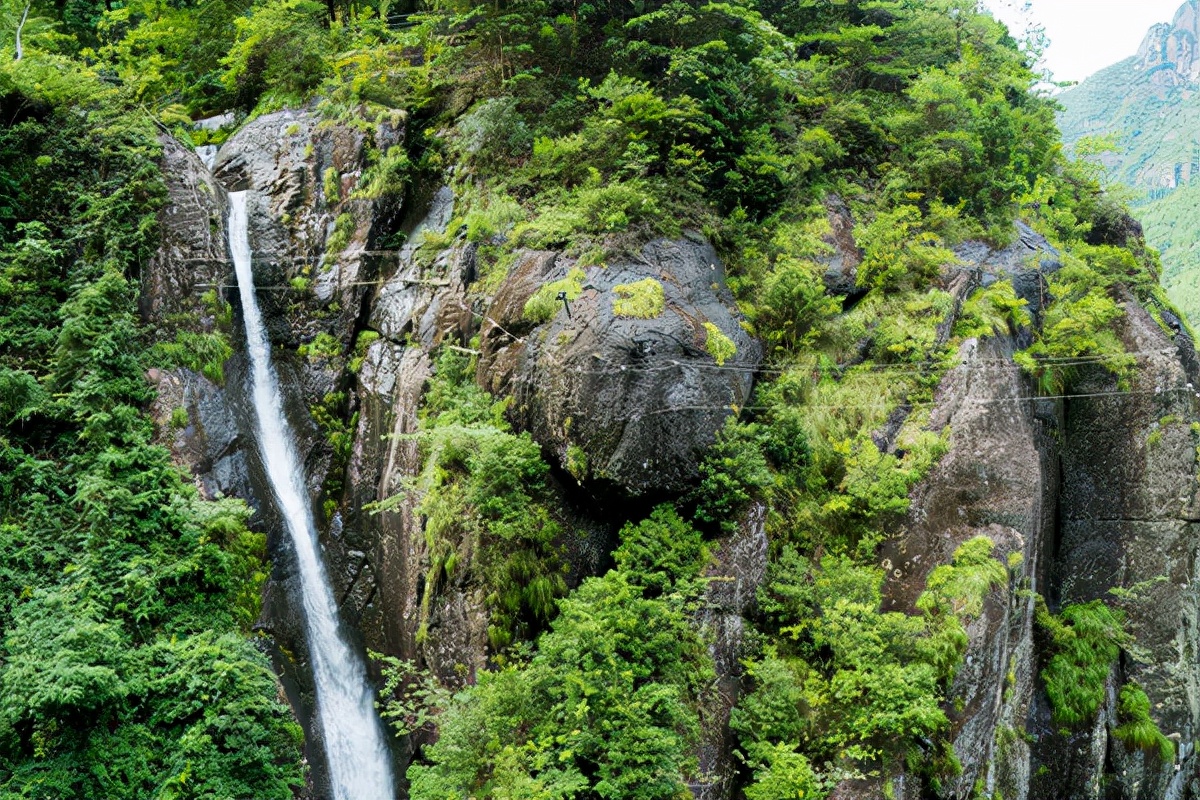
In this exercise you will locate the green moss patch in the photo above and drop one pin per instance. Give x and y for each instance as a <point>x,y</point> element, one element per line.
<point>639,300</point>
<point>545,303</point>
<point>1087,640</point>
<point>1137,730</point>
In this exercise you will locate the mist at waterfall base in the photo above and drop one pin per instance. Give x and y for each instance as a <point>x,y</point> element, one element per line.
<point>358,757</point>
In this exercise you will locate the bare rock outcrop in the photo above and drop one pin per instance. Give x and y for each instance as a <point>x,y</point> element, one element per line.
<point>1089,496</point>
<point>1172,50</point>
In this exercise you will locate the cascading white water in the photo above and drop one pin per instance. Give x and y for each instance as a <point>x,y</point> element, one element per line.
<point>359,763</point>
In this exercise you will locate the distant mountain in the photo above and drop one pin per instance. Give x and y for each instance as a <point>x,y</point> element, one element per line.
<point>1151,102</point>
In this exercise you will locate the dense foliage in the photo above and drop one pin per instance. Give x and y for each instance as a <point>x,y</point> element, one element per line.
<point>609,704</point>
<point>124,668</point>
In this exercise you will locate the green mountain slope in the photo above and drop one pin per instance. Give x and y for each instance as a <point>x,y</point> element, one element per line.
<point>1151,112</point>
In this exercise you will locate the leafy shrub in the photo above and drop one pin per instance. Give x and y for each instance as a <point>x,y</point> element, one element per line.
<point>638,300</point>
<point>483,495</point>
<point>994,311</point>
<point>387,178</point>
<point>793,301</point>
<point>956,591</point>
<point>323,346</point>
<point>1086,641</point>
<point>20,396</point>
<point>577,462</point>
<point>733,473</point>
<point>205,353</point>
<point>492,216</point>
<point>872,684</point>
<point>279,57</point>
<point>361,345</point>
<point>493,133</point>
<point>411,696</point>
<point>855,681</point>
<point>344,228</point>
<point>593,209</point>
<point>901,249</point>
<point>331,184</point>
<point>660,551</point>
<point>1077,328</point>
<point>778,711</point>
<point>782,772</point>
<point>607,706</point>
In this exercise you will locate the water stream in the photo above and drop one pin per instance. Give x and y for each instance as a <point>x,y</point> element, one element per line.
<point>359,762</point>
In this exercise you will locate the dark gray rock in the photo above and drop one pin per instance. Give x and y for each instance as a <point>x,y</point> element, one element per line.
<point>1026,262</point>
<point>841,265</point>
<point>995,481</point>
<point>1130,519</point>
<point>642,398</point>
<point>738,567</point>
<point>192,257</point>
<point>428,300</point>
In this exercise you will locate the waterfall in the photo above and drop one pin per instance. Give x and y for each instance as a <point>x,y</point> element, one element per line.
<point>359,761</point>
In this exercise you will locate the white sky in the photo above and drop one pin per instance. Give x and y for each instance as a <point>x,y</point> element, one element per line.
<point>1088,35</point>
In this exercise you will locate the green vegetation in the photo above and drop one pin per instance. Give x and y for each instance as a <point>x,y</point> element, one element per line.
<point>200,352</point>
<point>323,346</point>
<point>343,229</point>
<point>331,184</point>
<point>361,345</point>
<point>544,303</point>
<point>639,300</point>
<point>125,600</point>
<point>849,680</point>
<point>609,704</point>
<point>577,462</point>
<point>1127,124</point>
<point>1086,641</point>
<point>733,473</point>
<point>587,129</point>
<point>486,507</point>
<point>994,311</point>
<point>1137,730</point>
<point>719,346</point>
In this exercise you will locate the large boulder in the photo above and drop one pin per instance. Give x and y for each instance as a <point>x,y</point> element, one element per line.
<point>631,399</point>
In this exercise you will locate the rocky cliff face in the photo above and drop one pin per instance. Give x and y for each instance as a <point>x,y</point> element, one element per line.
<point>1173,49</point>
<point>1082,495</point>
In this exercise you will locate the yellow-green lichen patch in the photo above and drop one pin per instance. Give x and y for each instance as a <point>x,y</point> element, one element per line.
<point>638,300</point>
<point>719,346</point>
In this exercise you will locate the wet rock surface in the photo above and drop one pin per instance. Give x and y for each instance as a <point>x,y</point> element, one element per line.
<point>193,254</point>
